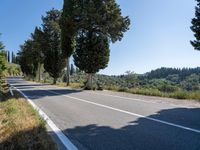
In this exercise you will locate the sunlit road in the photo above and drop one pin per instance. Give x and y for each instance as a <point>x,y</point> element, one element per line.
<point>102,120</point>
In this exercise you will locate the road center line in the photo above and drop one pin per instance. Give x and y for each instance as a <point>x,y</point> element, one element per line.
<point>127,98</point>
<point>137,99</point>
<point>127,112</point>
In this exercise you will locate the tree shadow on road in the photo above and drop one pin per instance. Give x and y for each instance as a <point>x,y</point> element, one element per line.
<point>37,94</point>
<point>144,134</point>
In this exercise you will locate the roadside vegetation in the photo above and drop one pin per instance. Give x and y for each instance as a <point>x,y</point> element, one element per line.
<point>164,82</point>
<point>21,126</point>
<point>73,31</point>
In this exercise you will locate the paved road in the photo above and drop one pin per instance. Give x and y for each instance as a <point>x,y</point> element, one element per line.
<point>116,121</point>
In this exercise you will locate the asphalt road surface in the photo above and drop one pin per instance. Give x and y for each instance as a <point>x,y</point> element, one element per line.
<point>103,120</point>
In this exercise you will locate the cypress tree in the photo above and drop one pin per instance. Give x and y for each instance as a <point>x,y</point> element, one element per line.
<point>13,58</point>
<point>68,24</point>
<point>39,46</point>
<point>54,61</point>
<point>8,57</point>
<point>72,70</point>
<point>100,20</point>
<point>92,54</point>
<point>196,27</point>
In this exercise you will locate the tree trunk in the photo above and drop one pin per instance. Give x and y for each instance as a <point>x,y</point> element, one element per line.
<point>54,80</point>
<point>39,71</point>
<point>89,82</point>
<point>68,72</point>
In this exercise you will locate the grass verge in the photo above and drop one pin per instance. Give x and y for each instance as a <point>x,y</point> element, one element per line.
<point>21,127</point>
<point>193,95</point>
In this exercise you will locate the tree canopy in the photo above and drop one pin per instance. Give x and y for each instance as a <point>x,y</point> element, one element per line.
<point>54,61</point>
<point>92,52</point>
<point>196,27</point>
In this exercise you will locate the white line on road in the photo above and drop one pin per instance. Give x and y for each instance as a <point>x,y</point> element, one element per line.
<point>66,142</point>
<point>11,92</point>
<point>127,98</point>
<point>137,99</point>
<point>129,113</point>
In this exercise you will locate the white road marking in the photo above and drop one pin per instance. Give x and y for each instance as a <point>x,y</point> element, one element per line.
<point>139,100</point>
<point>121,97</point>
<point>129,113</point>
<point>127,98</point>
<point>66,142</point>
<point>11,92</point>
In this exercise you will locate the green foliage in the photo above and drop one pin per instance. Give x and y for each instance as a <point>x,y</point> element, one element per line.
<point>54,61</point>
<point>1,46</point>
<point>98,20</point>
<point>68,26</point>
<point>2,63</point>
<point>39,41</point>
<point>8,56</point>
<point>27,58</point>
<point>92,53</point>
<point>13,58</point>
<point>181,84</point>
<point>12,70</point>
<point>72,70</point>
<point>196,27</point>
<point>191,83</point>
<point>103,17</point>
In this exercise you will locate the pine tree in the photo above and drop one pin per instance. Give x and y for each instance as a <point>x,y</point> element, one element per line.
<point>196,27</point>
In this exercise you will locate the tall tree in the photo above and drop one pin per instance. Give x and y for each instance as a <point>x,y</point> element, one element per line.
<point>2,65</point>
<point>68,23</point>
<point>39,44</point>
<point>103,17</point>
<point>196,27</point>
<point>13,57</point>
<point>27,59</point>
<point>1,46</point>
<point>92,54</point>
<point>54,61</point>
<point>8,56</point>
<point>2,59</point>
<point>72,70</point>
<point>101,20</point>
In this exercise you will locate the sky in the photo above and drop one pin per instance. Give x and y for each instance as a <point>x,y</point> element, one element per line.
<point>159,34</point>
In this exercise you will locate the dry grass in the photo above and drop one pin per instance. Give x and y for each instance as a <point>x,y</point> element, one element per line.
<point>21,127</point>
<point>72,85</point>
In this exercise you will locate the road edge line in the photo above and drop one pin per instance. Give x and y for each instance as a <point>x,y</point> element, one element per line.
<point>65,141</point>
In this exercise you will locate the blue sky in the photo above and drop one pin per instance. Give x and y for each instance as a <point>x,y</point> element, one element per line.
<point>159,34</point>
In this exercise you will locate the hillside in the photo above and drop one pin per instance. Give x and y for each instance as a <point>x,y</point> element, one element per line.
<point>166,82</point>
